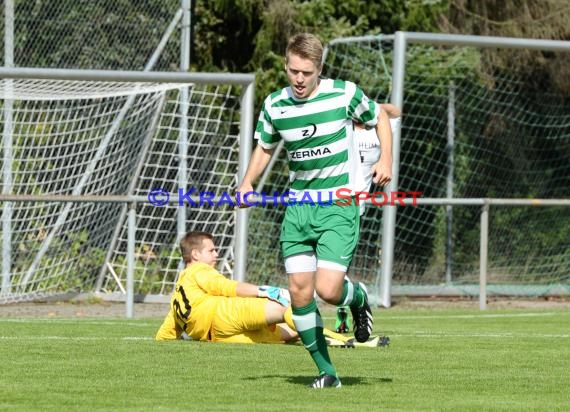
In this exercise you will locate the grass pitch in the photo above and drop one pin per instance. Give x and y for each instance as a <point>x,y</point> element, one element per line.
<point>468,360</point>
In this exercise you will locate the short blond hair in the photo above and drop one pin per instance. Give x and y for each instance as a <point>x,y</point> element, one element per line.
<point>192,241</point>
<point>306,46</point>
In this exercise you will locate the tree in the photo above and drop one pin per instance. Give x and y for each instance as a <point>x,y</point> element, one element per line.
<point>535,19</point>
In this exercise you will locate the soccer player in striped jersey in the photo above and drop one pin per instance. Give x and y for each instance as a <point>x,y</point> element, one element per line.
<point>320,231</point>
<point>369,146</point>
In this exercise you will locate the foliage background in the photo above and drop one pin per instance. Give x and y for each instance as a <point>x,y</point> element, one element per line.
<point>251,35</point>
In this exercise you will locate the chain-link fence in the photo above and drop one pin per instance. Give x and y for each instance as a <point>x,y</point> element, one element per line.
<point>85,34</point>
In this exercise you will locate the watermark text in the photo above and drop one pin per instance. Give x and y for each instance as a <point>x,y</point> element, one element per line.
<point>342,197</point>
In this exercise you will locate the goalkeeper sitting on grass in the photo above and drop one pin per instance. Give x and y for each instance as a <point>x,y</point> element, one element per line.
<point>209,307</point>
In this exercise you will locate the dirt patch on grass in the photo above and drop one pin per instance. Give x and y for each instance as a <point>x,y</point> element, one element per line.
<point>81,309</point>
<point>473,303</point>
<point>105,309</point>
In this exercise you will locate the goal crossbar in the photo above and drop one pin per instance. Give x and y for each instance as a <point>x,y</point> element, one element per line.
<point>60,91</point>
<point>126,76</point>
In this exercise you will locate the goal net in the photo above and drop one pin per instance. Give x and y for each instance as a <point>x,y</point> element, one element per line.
<point>473,127</point>
<point>110,138</point>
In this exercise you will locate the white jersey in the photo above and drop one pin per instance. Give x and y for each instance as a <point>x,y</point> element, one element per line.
<point>369,148</point>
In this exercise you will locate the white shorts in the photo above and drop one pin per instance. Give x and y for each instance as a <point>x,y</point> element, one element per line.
<point>308,262</point>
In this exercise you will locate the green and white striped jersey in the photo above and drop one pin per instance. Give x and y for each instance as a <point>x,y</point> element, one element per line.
<point>318,134</point>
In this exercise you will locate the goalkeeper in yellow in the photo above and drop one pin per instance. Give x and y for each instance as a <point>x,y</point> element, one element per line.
<point>209,307</point>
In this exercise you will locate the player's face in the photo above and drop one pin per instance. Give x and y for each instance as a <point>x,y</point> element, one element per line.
<point>303,76</point>
<point>208,254</point>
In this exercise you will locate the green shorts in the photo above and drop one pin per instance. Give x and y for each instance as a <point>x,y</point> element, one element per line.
<point>330,231</point>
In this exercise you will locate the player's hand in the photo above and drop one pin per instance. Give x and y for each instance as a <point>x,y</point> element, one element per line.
<point>382,172</point>
<point>242,201</point>
<point>274,293</point>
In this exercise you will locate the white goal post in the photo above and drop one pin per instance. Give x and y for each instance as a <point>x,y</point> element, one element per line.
<point>79,146</point>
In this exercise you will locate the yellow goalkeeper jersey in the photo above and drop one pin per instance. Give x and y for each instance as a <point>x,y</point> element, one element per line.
<point>199,290</point>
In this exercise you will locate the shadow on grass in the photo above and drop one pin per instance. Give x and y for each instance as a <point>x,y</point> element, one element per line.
<point>307,380</point>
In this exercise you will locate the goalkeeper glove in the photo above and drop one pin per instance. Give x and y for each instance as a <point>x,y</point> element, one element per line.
<point>276,294</point>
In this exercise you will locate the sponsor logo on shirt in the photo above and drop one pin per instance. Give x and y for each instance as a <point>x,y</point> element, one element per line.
<point>310,132</point>
<point>310,153</point>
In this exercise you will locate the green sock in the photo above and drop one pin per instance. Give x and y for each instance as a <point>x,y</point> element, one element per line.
<point>309,325</point>
<point>352,294</point>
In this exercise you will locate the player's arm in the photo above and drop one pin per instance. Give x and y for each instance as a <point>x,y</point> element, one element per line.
<point>169,330</point>
<point>267,138</point>
<point>258,162</point>
<point>392,110</point>
<point>214,283</point>
<point>249,290</point>
<point>383,168</point>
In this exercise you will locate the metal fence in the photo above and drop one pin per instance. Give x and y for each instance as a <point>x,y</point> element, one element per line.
<point>105,28</point>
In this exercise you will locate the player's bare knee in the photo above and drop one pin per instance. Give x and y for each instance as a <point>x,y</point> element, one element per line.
<point>295,289</point>
<point>301,296</point>
<point>330,295</point>
<point>274,312</point>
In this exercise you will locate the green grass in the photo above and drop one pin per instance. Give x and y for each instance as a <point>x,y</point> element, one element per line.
<point>442,360</point>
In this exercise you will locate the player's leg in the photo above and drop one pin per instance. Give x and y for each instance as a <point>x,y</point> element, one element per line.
<point>334,257</point>
<point>337,336</point>
<point>281,317</point>
<point>298,240</point>
<point>237,315</point>
<point>274,312</point>
<point>248,316</point>
<point>337,289</point>
<point>251,320</point>
<point>279,333</point>
<point>306,315</point>
<point>239,338</point>
<point>288,334</point>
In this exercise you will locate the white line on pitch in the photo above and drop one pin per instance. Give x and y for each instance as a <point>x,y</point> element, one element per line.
<point>476,316</point>
<point>91,321</point>
<point>520,335</point>
<point>123,322</point>
<point>75,338</point>
<point>418,334</point>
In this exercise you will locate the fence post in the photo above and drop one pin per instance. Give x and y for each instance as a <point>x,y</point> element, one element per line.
<point>131,234</point>
<point>6,178</point>
<point>484,247</point>
<point>384,277</point>
<point>450,149</point>
<point>245,149</point>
